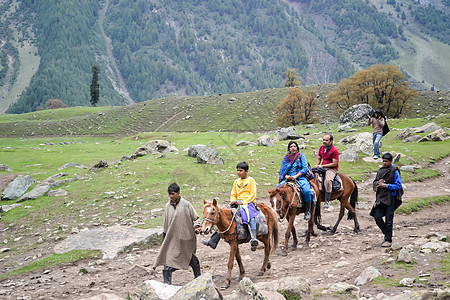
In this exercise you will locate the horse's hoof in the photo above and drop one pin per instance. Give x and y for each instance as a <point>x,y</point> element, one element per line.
<point>224,286</point>
<point>293,248</point>
<point>283,253</point>
<point>268,265</point>
<point>260,273</point>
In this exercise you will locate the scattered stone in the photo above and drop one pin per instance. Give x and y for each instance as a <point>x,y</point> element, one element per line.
<point>438,135</point>
<point>265,140</point>
<point>3,250</point>
<point>288,133</point>
<point>412,139</point>
<point>244,143</point>
<point>5,208</point>
<point>45,185</point>
<point>155,290</point>
<point>72,165</point>
<point>294,286</point>
<point>408,282</point>
<point>342,288</point>
<point>404,256</point>
<point>4,167</point>
<point>349,155</point>
<point>154,147</point>
<point>209,156</point>
<point>103,164</point>
<point>201,287</point>
<point>17,187</point>
<point>57,193</point>
<point>407,168</point>
<point>109,240</point>
<point>367,276</point>
<point>405,133</point>
<point>193,150</point>
<point>359,142</point>
<point>355,113</point>
<point>428,128</point>
<point>104,296</point>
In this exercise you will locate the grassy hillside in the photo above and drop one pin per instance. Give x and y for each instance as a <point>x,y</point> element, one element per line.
<point>229,112</point>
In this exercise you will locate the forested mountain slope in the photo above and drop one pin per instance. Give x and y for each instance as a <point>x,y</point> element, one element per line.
<point>153,49</point>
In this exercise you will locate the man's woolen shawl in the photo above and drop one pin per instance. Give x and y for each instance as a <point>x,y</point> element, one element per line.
<point>180,241</point>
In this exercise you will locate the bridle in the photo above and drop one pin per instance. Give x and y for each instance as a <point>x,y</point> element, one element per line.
<point>213,221</point>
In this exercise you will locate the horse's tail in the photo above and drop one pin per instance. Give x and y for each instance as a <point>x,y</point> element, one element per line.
<point>353,200</point>
<point>275,230</point>
<point>317,213</point>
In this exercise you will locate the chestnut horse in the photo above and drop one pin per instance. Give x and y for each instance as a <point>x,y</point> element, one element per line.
<point>287,203</point>
<point>350,190</point>
<point>222,217</point>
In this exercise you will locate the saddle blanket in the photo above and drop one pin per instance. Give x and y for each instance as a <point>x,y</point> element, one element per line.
<point>337,183</point>
<point>242,229</point>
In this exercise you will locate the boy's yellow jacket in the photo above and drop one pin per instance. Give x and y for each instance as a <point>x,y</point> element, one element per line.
<point>244,190</point>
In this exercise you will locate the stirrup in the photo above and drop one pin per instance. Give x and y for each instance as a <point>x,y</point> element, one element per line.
<point>253,244</point>
<point>326,205</point>
<point>307,216</point>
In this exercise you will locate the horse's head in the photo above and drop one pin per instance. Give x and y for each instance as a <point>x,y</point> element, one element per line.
<point>210,213</point>
<point>276,200</point>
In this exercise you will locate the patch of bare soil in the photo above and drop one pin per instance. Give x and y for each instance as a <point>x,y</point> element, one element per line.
<point>329,258</point>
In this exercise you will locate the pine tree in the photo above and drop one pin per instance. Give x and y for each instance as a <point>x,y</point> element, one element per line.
<point>95,86</point>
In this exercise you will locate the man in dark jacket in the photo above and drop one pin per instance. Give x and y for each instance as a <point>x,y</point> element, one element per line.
<point>388,188</point>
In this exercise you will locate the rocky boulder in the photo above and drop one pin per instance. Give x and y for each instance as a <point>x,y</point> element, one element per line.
<point>193,150</point>
<point>209,156</point>
<point>367,276</point>
<point>356,113</point>
<point>155,290</point>
<point>202,287</point>
<point>439,135</point>
<point>294,286</point>
<point>103,164</point>
<point>4,167</point>
<point>359,142</point>
<point>428,128</point>
<point>349,155</point>
<point>265,140</point>
<point>288,133</point>
<point>154,147</point>
<point>17,187</point>
<point>42,188</point>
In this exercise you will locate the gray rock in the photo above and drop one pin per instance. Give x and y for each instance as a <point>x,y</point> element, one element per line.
<point>405,133</point>
<point>201,287</point>
<point>155,290</point>
<point>42,188</point>
<point>404,256</point>
<point>359,142</point>
<point>288,133</point>
<point>57,193</point>
<point>407,282</point>
<point>412,139</point>
<point>265,140</point>
<point>342,288</point>
<point>4,167</point>
<point>355,113</point>
<point>72,165</point>
<point>103,164</point>
<point>436,136</point>
<point>193,150</point>
<point>428,128</point>
<point>109,240</point>
<point>154,147</point>
<point>209,156</point>
<point>349,155</point>
<point>294,286</point>
<point>17,187</point>
<point>244,143</point>
<point>367,276</point>
<point>104,296</point>
<point>5,208</point>
<point>407,168</point>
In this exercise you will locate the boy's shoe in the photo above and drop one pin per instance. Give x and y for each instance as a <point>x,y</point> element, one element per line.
<point>307,216</point>
<point>326,205</point>
<point>386,244</point>
<point>253,244</point>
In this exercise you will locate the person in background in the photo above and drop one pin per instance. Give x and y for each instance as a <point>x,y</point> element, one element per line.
<point>388,188</point>
<point>377,121</point>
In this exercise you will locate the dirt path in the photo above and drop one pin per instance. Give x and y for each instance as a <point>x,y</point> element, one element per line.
<point>329,259</point>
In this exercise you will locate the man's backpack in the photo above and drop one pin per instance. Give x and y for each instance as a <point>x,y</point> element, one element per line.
<point>385,128</point>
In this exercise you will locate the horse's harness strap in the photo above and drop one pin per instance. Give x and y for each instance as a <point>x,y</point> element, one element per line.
<point>232,219</point>
<point>296,193</point>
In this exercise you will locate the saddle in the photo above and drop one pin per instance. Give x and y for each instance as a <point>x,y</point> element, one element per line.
<point>242,229</point>
<point>337,181</point>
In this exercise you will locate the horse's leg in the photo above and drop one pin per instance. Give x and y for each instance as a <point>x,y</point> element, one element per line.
<point>341,214</point>
<point>318,215</point>
<point>294,235</point>
<point>266,241</point>
<point>240,264</point>
<point>287,234</point>
<point>352,211</point>
<point>233,247</point>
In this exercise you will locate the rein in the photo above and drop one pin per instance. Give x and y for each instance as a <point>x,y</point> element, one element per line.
<point>214,220</point>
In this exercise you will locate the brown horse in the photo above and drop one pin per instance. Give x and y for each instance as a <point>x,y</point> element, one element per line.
<point>287,203</point>
<point>222,217</point>
<point>349,190</point>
